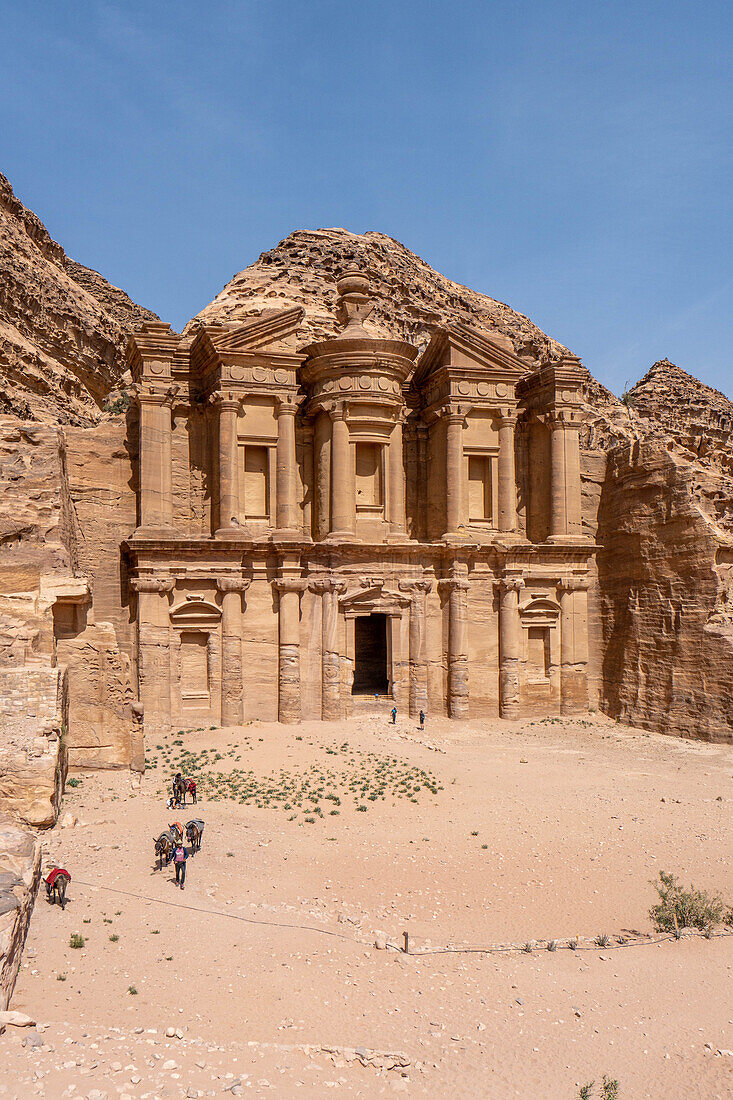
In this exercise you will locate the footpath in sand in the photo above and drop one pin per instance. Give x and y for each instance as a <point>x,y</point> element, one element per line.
<point>262,977</point>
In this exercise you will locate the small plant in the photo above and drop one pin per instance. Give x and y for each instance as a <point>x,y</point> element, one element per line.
<point>114,938</point>
<point>552,945</point>
<point>60,977</point>
<point>155,932</point>
<point>610,1088</point>
<point>678,908</point>
<point>475,833</point>
<point>132,990</point>
<point>586,1091</point>
<point>528,948</point>
<point>602,940</point>
<point>76,940</point>
<point>74,782</point>
<point>573,945</point>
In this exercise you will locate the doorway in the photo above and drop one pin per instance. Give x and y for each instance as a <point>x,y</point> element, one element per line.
<point>370,655</point>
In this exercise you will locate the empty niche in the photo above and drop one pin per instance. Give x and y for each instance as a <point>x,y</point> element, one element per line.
<point>538,653</point>
<point>479,487</point>
<point>194,668</point>
<point>255,482</point>
<point>369,493</point>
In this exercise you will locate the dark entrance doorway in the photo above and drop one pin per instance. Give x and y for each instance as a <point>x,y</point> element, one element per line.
<point>370,655</point>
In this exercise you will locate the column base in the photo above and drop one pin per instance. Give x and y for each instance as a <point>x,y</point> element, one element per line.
<point>232,533</point>
<point>341,536</point>
<point>455,536</point>
<point>289,534</point>
<point>398,536</point>
<point>150,531</point>
<point>566,538</point>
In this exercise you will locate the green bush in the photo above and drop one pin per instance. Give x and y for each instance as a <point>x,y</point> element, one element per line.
<point>76,940</point>
<point>678,908</point>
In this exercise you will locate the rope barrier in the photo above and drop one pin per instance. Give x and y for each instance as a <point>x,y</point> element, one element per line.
<point>498,949</point>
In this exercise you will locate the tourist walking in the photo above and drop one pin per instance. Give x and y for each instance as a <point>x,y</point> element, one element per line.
<point>422,719</point>
<point>180,855</point>
<point>394,716</point>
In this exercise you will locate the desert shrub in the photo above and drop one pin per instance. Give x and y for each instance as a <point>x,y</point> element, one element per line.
<point>609,1089</point>
<point>74,782</point>
<point>678,908</point>
<point>76,940</point>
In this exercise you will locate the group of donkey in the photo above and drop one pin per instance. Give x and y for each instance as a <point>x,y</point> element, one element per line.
<point>166,843</point>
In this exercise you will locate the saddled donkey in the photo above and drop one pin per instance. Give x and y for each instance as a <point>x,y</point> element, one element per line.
<point>56,882</point>
<point>194,833</point>
<point>176,829</point>
<point>164,846</point>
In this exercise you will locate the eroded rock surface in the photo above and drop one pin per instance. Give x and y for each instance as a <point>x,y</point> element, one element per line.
<point>20,874</point>
<point>62,326</point>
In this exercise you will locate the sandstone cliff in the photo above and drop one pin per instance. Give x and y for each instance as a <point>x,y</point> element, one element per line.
<point>62,326</point>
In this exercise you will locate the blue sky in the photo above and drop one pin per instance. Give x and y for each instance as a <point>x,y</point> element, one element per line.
<point>571,159</point>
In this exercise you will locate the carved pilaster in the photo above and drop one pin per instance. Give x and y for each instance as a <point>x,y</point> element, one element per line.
<point>228,405</point>
<point>457,586</point>
<point>418,694</point>
<point>156,468</point>
<point>232,686</point>
<point>153,647</point>
<point>287,504</point>
<point>330,589</point>
<point>509,645</point>
<point>573,595</point>
<point>289,688</point>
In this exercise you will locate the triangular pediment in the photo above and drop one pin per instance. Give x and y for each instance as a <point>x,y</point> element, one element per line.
<point>274,330</point>
<point>460,347</point>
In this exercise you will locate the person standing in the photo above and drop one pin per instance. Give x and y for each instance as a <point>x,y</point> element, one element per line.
<point>394,716</point>
<point>422,719</point>
<point>180,855</point>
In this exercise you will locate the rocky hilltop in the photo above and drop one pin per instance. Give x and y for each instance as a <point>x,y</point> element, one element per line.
<point>62,326</point>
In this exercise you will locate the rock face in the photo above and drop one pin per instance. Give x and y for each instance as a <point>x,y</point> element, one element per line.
<point>20,875</point>
<point>34,716</point>
<point>62,326</point>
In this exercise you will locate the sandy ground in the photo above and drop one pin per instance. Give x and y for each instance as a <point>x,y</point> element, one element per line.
<point>266,967</point>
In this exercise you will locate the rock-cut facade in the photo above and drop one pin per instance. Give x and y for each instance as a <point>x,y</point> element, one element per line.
<point>321,526</point>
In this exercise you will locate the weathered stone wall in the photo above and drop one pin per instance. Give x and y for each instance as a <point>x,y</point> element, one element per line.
<point>666,614</point>
<point>33,728</point>
<point>20,876</point>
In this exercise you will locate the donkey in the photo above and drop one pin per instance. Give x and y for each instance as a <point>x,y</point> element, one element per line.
<point>179,791</point>
<point>164,845</point>
<point>190,789</point>
<point>194,833</point>
<point>56,884</point>
<point>176,830</point>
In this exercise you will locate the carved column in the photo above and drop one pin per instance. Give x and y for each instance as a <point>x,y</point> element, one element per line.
<point>422,484</point>
<point>558,512</point>
<point>455,419</point>
<point>330,589</point>
<point>418,697</point>
<point>156,468</point>
<point>573,645</point>
<point>343,493</point>
<point>507,474</point>
<point>322,473</point>
<point>153,647</point>
<point>509,646</point>
<point>232,686</point>
<point>573,489</point>
<point>228,406</point>
<point>397,517</point>
<point>287,504</point>
<point>457,586</point>
<point>289,691</point>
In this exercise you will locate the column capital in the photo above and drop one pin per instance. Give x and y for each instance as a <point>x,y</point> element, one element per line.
<point>232,584</point>
<point>325,585</point>
<point>227,399</point>
<point>287,405</point>
<point>337,410</point>
<point>573,584</point>
<point>150,394</point>
<point>453,412</point>
<point>416,587</point>
<point>564,419</point>
<point>448,584</point>
<point>289,584</point>
<point>507,418</point>
<point>510,584</point>
<point>152,584</point>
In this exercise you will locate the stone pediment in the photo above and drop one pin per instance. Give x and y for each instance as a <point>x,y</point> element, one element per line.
<point>539,611</point>
<point>194,613</point>
<point>273,330</point>
<point>373,599</point>
<point>460,349</point>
